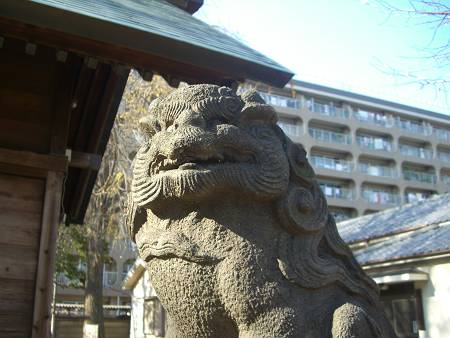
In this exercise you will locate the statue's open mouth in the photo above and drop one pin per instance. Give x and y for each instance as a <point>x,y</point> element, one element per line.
<point>173,245</point>
<point>200,162</point>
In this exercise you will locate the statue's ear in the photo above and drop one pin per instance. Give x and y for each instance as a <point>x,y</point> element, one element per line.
<point>303,208</point>
<point>255,109</point>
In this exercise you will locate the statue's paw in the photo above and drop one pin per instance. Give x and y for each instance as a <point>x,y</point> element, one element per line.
<point>352,321</point>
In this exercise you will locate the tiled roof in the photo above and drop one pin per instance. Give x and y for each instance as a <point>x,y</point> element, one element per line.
<point>163,19</point>
<point>431,240</point>
<point>434,210</point>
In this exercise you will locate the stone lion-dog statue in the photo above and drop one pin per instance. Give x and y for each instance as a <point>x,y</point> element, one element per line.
<point>234,229</point>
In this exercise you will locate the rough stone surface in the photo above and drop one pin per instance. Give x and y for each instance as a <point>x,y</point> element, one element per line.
<point>236,234</point>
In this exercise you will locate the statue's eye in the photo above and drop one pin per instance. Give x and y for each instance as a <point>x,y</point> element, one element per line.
<point>149,126</point>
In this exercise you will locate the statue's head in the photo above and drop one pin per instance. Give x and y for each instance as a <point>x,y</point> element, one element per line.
<point>204,140</point>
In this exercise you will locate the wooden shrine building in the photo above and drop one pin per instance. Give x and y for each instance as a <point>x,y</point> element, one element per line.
<point>63,67</point>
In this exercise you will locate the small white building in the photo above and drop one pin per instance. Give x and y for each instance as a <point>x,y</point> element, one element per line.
<point>406,250</point>
<point>148,318</point>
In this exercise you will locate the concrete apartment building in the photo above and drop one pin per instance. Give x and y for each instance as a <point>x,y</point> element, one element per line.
<point>368,154</point>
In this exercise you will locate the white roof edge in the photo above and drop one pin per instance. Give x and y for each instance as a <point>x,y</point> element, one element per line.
<point>134,275</point>
<point>401,278</point>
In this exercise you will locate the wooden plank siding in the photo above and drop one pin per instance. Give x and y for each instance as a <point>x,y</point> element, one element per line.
<point>21,204</point>
<point>73,328</point>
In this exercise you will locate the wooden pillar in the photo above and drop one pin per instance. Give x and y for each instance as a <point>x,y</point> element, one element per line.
<point>47,252</point>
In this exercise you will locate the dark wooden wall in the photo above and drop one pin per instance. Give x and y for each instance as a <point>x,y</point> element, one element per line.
<point>21,202</point>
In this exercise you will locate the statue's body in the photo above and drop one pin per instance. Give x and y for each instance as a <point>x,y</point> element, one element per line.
<point>235,231</point>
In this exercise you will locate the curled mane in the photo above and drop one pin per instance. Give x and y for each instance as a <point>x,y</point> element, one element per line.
<point>311,252</point>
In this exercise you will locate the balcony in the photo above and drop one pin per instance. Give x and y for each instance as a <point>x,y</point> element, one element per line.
<point>380,197</point>
<point>412,151</point>
<point>290,129</point>
<point>411,126</point>
<point>442,135</point>
<point>374,143</point>
<point>334,191</point>
<point>377,170</point>
<point>417,176</point>
<point>331,163</point>
<point>371,117</point>
<point>280,101</point>
<point>327,109</point>
<point>330,136</point>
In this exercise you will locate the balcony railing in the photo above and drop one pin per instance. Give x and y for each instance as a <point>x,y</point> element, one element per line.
<point>380,197</point>
<point>290,129</point>
<point>330,136</point>
<point>327,110</point>
<point>337,192</point>
<point>370,117</point>
<point>374,143</point>
<point>417,176</point>
<point>411,126</point>
<point>280,101</point>
<point>414,197</point>
<point>331,163</point>
<point>416,152</point>
<point>109,278</point>
<point>377,170</point>
<point>77,310</point>
<point>443,156</point>
<point>442,134</point>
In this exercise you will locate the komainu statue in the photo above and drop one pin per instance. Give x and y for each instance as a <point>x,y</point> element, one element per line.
<point>229,217</point>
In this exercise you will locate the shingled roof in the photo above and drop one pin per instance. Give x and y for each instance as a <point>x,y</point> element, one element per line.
<point>411,231</point>
<point>434,210</point>
<point>151,28</point>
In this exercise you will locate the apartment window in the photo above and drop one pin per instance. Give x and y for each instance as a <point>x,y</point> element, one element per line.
<point>371,117</point>
<point>329,136</point>
<point>334,190</point>
<point>109,272</point>
<point>419,176</point>
<point>415,151</point>
<point>380,196</point>
<point>414,127</point>
<point>280,101</point>
<point>443,134</point>
<point>331,163</point>
<point>332,109</point>
<point>415,196</point>
<point>154,318</point>
<point>376,170</point>
<point>289,127</point>
<point>444,156</point>
<point>374,142</point>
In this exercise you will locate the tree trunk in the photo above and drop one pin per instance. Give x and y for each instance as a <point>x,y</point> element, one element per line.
<point>93,299</point>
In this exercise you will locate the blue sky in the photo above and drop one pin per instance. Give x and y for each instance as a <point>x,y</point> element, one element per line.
<point>352,45</point>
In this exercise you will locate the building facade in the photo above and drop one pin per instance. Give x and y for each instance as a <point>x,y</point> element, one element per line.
<point>368,154</point>
<point>406,250</point>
